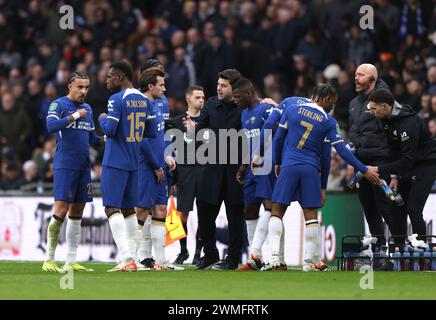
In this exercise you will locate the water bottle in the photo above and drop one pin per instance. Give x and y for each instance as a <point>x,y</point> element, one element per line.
<point>406,260</point>
<point>433,259</point>
<point>397,260</point>
<point>427,260</point>
<point>388,191</point>
<point>355,180</point>
<point>399,201</point>
<point>415,260</point>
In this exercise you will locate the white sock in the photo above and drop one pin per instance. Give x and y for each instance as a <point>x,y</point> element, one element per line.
<point>118,228</point>
<point>158,237</point>
<point>282,248</point>
<point>251,229</point>
<point>311,239</point>
<point>138,241</point>
<point>74,230</point>
<point>145,243</point>
<point>318,249</point>
<point>53,230</point>
<point>131,233</point>
<point>275,230</point>
<point>260,234</point>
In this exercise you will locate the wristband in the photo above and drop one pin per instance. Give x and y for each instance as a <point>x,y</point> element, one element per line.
<point>76,115</point>
<point>394,176</point>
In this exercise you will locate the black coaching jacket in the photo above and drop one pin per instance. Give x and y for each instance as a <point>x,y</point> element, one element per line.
<point>410,142</point>
<point>366,132</point>
<point>215,115</point>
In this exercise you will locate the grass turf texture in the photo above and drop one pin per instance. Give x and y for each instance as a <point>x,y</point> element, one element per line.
<point>24,280</point>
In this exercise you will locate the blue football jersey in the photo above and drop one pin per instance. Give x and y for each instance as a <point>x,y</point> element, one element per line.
<point>162,104</point>
<point>252,120</point>
<point>158,144</point>
<point>308,126</point>
<point>73,139</point>
<point>124,127</point>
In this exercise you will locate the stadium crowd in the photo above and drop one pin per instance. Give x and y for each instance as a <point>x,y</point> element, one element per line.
<point>283,46</point>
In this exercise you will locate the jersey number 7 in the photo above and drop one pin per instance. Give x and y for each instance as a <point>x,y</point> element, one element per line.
<point>303,139</point>
<point>136,123</point>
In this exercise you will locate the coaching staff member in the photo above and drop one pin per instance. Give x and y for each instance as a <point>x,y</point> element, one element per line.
<point>219,183</point>
<point>412,156</point>
<point>371,148</point>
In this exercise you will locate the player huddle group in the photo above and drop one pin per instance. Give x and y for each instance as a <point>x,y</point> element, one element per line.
<point>295,136</point>
<point>303,132</point>
<point>134,179</point>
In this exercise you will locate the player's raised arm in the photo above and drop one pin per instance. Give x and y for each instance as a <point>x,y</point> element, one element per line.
<point>55,122</point>
<point>268,126</point>
<point>336,140</point>
<point>109,122</point>
<point>279,139</point>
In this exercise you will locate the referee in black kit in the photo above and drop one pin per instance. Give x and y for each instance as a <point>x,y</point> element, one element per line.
<point>412,155</point>
<point>219,183</point>
<point>190,171</point>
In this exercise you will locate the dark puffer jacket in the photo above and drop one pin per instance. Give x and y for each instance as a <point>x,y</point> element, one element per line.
<point>366,132</point>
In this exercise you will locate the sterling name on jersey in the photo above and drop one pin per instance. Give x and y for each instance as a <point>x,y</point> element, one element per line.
<point>73,139</point>
<point>124,127</point>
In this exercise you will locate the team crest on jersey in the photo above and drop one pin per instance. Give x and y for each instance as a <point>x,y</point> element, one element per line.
<point>53,106</point>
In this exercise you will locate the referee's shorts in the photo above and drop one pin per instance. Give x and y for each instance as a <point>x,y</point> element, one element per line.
<point>188,185</point>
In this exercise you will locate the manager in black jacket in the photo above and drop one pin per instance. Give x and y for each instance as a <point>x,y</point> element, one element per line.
<point>412,156</point>
<point>219,183</point>
<point>371,147</point>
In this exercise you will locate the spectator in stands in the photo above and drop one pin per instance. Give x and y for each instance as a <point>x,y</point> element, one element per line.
<point>31,177</point>
<point>11,177</point>
<point>432,127</point>
<point>180,75</point>
<point>431,79</point>
<point>43,156</point>
<point>15,127</point>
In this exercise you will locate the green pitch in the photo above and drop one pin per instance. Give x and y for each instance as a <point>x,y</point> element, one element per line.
<point>24,280</point>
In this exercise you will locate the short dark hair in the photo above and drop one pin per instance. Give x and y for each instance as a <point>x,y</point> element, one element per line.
<point>124,67</point>
<point>77,75</point>
<point>382,96</point>
<point>150,63</point>
<point>192,88</point>
<point>242,84</point>
<point>232,75</point>
<point>149,76</point>
<point>323,91</point>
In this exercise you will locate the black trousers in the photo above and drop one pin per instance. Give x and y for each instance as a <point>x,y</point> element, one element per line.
<point>207,214</point>
<point>415,189</point>
<point>377,207</point>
